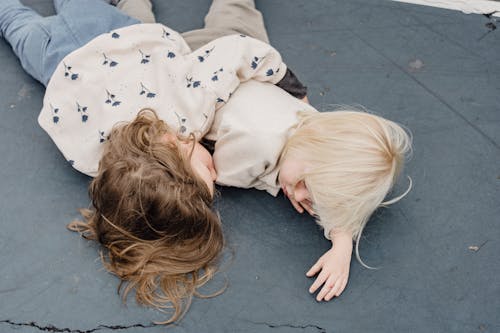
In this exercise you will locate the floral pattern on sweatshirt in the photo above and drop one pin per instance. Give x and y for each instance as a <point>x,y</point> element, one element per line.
<point>114,76</point>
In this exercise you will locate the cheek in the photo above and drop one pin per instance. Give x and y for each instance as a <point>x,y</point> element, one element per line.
<point>288,172</point>
<point>204,174</point>
<point>207,159</point>
<point>285,177</point>
<point>202,154</point>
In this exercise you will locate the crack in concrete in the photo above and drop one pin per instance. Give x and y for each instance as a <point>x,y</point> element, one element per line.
<point>52,328</point>
<point>270,325</point>
<point>490,15</point>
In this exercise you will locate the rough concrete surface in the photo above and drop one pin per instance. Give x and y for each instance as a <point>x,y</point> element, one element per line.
<point>435,71</point>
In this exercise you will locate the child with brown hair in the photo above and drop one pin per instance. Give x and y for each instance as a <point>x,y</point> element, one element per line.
<point>153,186</point>
<point>153,215</point>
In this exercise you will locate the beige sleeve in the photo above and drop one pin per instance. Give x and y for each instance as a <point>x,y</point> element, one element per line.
<point>138,9</point>
<point>228,17</point>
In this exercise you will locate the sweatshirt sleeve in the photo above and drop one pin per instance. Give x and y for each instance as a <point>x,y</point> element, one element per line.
<point>224,63</point>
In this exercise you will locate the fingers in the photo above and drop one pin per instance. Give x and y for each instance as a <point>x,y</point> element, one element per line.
<point>325,290</point>
<point>332,288</point>
<point>342,287</point>
<point>297,206</point>
<point>336,290</point>
<point>307,205</point>
<point>303,205</point>
<point>318,282</point>
<point>314,269</point>
<point>333,269</point>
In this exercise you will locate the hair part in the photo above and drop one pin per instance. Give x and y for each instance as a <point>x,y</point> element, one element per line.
<point>354,158</point>
<point>153,216</point>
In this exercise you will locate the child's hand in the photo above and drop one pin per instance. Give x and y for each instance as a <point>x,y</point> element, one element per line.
<point>300,206</point>
<point>333,268</point>
<point>300,197</point>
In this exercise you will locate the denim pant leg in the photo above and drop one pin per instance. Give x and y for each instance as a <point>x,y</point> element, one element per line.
<point>76,24</point>
<point>87,19</point>
<point>41,43</point>
<point>139,9</point>
<point>58,4</point>
<point>28,33</point>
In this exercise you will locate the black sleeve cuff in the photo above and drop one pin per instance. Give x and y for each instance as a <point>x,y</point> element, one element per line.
<point>292,85</point>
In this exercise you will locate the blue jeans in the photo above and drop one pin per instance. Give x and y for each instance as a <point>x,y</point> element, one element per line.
<point>41,43</point>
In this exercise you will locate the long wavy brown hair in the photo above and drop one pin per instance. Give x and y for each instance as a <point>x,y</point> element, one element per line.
<point>153,216</point>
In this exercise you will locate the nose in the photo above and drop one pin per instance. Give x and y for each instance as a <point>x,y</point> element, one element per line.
<point>213,173</point>
<point>301,192</point>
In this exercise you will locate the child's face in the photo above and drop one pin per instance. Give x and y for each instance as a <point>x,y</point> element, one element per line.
<point>201,161</point>
<point>296,191</point>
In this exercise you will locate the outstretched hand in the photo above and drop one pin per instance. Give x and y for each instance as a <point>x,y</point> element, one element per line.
<point>333,269</point>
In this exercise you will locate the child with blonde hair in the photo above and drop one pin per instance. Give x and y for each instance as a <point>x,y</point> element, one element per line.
<point>127,103</point>
<point>339,166</point>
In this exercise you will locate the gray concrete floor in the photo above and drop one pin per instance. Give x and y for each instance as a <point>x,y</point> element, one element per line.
<point>435,71</point>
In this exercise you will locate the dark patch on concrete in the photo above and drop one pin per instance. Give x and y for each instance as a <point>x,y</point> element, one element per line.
<point>491,25</point>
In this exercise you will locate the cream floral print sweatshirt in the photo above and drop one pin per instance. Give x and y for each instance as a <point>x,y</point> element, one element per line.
<point>115,75</point>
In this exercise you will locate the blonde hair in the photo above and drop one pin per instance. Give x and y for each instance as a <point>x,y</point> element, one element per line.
<point>353,159</point>
<point>153,216</point>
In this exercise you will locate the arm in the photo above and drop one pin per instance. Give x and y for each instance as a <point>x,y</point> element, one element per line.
<point>333,267</point>
<point>254,59</point>
<point>224,63</point>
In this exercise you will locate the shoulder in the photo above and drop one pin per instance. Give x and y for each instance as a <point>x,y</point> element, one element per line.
<point>259,106</point>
